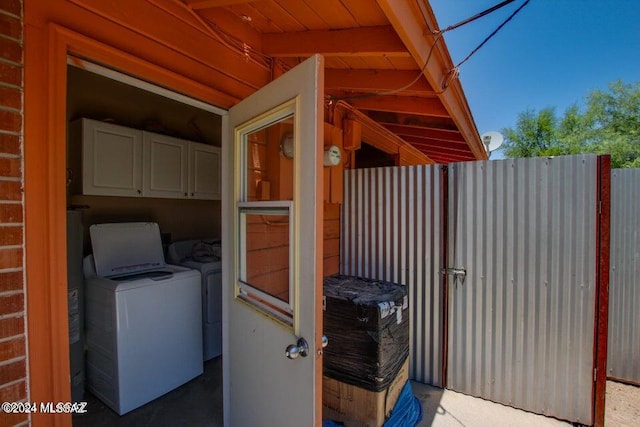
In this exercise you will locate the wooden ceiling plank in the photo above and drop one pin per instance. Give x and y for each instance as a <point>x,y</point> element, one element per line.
<point>333,13</point>
<point>280,16</point>
<point>232,24</point>
<point>402,104</point>
<point>363,41</point>
<point>365,12</point>
<point>409,22</point>
<point>206,4</point>
<point>249,14</point>
<point>304,14</point>
<point>370,80</point>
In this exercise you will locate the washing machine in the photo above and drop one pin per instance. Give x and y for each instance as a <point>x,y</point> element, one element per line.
<point>204,255</point>
<point>143,317</point>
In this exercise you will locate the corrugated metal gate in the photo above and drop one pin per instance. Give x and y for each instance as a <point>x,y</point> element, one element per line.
<point>524,247</point>
<point>521,322</point>
<point>624,301</point>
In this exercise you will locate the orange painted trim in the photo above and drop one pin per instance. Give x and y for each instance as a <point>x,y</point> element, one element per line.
<point>45,194</point>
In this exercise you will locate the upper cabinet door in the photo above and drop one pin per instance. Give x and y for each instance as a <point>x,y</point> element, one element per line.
<point>111,159</point>
<point>165,166</point>
<point>204,172</point>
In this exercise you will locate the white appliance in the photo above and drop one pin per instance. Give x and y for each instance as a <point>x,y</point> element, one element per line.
<point>210,267</point>
<point>75,287</point>
<point>143,317</point>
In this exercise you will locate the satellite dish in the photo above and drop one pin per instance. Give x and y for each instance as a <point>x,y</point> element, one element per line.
<point>492,140</point>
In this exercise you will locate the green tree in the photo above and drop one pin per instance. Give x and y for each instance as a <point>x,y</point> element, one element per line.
<point>608,124</point>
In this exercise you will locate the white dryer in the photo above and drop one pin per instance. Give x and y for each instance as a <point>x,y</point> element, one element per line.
<point>204,255</point>
<point>143,317</point>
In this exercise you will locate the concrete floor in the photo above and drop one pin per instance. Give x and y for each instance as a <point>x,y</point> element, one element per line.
<point>196,403</point>
<point>199,404</point>
<point>447,408</point>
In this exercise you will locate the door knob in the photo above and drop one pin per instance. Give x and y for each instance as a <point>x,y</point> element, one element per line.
<point>299,349</point>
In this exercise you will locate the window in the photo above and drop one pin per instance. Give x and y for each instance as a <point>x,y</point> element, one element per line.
<point>265,208</point>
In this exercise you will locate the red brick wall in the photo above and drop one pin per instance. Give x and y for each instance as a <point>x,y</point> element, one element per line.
<point>13,369</point>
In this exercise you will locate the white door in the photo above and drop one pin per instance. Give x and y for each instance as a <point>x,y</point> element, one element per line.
<point>272,237</point>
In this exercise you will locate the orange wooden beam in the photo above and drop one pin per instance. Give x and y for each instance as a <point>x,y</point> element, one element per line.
<point>364,41</point>
<point>402,104</point>
<point>414,27</point>
<point>376,80</point>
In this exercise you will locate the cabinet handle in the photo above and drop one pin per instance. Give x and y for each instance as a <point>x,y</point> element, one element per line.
<point>185,194</point>
<point>139,191</point>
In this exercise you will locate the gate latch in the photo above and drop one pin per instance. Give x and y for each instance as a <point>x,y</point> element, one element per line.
<point>457,273</point>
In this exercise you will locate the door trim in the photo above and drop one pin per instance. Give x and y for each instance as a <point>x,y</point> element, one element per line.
<point>45,194</point>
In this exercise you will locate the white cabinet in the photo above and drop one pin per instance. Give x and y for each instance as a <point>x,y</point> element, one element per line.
<point>120,161</point>
<point>204,172</point>
<point>111,158</point>
<point>165,166</point>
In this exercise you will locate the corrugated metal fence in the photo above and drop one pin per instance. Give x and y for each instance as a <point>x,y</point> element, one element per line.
<point>624,289</point>
<point>521,324</point>
<point>392,231</point>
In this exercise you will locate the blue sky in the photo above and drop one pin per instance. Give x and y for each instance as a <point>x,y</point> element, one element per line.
<point>551,54</point>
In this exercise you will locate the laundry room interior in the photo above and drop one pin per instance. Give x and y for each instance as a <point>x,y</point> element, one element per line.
<point>186,219</point>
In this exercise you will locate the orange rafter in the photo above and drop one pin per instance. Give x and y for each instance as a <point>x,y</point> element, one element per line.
<point>364,41</point>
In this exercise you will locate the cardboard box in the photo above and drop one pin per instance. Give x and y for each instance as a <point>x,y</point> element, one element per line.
<point>358,407</point>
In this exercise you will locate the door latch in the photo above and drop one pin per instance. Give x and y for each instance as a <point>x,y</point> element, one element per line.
<point>457,273</point>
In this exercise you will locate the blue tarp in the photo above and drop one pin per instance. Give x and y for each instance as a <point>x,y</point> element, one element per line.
<point>407,411</point>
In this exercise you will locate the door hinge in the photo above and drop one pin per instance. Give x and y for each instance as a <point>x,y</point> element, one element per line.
<point>595,374</point>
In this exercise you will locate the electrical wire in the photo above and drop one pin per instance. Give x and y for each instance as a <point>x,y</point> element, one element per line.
<point>393,91</point>
<point>493,33</point>
<point>454,72</point>
<point>476,16</point>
